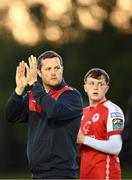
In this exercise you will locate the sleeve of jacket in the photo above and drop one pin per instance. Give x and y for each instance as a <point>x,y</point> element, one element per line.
<point>68,106</point>
<point>16,108</point>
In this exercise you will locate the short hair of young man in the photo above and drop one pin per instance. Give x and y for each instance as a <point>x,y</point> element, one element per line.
<point>97,73</point>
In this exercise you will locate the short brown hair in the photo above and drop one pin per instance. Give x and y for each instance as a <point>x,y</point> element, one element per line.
<point>48,54</point>
<point>97,73</point>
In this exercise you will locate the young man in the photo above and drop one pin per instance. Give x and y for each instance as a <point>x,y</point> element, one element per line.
<point>53,112</point>
<point>100,132</point>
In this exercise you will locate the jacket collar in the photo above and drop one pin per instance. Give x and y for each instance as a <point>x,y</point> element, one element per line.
<point>60,86</point>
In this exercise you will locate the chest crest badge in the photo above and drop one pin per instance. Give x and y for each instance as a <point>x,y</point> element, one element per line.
<point>95,117</point>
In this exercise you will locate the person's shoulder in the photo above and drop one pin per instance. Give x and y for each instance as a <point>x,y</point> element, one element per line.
<point>71,87</point>
<point>112,107</point>
<point>74,90</point>
<point>86,108</point>
<point>69,92</point>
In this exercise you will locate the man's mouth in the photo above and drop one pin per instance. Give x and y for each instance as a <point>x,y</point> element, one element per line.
<point>53,78</point>
<point>95,93</point>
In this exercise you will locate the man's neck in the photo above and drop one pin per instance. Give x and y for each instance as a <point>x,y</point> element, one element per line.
<point>95,103</point>
<point>47,88</point>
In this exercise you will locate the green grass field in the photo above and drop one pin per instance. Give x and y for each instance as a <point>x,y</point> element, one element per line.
<point>126,174</point>
<point>17,175</point>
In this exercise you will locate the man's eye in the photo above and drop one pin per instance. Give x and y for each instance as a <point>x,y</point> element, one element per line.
<point>91,83</point>
<point>47,69</point>
<point>58,67</point>
<point>100,84</point>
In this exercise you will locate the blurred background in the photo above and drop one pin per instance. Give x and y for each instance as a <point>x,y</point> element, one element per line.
<point>87,34</point>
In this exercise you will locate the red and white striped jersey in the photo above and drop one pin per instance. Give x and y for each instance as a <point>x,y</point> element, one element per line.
<point>100,122</point>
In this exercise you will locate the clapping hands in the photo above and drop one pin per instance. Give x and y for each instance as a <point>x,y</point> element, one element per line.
<point>26,74</point>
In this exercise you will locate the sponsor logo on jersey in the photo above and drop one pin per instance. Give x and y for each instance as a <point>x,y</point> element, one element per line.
<point>116,115</point>
<point>95,117</point>
<point>117,123</point>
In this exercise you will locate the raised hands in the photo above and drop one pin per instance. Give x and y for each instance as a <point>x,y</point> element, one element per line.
<point>21,80</point>
<point>26,74</point>
<point>31,70</point>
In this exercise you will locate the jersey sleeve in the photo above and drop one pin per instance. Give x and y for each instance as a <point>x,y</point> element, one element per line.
<point>115,121</point>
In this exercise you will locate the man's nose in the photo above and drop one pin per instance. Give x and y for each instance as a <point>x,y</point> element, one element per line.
<point>96,86</point>
<point>52,71</point>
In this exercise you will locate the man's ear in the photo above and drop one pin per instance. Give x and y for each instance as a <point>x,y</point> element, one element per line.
<point>84,86</point>
<point>39,73</point>
<point>107,88</point>
<point>62,68</point>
